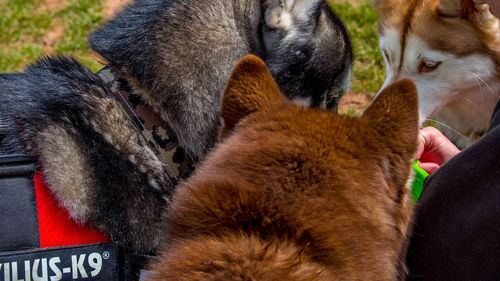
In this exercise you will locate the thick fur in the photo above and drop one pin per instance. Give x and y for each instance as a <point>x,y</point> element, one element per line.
<point>295,193</point>
<point>464,40</point>
<point>179,54</point>
<point>96,164</point>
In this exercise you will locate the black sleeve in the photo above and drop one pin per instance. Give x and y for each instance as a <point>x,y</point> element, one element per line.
<point>457,225</point>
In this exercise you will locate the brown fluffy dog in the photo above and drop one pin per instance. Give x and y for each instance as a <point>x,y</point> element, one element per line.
<point>295,193</point>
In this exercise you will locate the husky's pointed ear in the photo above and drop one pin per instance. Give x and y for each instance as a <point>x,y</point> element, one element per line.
<point>250,88</point>
<point>451,8</point>
<point>380,5</point>
<point>282,14</point>
<point>455,8</point>
<point>478,13</point>
<point>486,21</point>
<point>393,117</point>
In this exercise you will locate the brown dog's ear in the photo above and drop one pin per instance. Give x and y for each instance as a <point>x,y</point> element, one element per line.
<point>380,5</point>
<point>250,88</point>
<point>455,8</point>
<point>479,13</point>
<point>391,124</point>
<point>377,3</point>
<point>393,117</point>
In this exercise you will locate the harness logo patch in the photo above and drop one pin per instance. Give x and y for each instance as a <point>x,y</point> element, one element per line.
<point>94,262</point>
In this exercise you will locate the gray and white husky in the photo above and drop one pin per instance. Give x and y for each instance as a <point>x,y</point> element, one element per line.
<point>177,55</point>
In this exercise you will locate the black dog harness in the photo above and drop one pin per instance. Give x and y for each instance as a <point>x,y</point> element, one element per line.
<point>22,259</point>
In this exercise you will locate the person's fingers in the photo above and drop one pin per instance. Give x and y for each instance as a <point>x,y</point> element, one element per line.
<point>420,147</point>
<point>425,139</point>
<point>434,149</point>
<point>429,167</point>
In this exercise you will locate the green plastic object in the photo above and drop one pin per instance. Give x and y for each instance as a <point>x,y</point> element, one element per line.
<point>418,183</point>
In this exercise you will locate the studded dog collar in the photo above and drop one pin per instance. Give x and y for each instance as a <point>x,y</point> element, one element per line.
<point>151,126</point>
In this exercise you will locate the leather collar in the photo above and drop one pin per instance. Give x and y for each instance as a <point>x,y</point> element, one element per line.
<point>151,126</point>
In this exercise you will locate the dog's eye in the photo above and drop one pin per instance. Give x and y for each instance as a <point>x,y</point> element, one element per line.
<point>428,66</point>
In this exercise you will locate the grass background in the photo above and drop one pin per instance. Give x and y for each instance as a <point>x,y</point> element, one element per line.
<point>30,28</point>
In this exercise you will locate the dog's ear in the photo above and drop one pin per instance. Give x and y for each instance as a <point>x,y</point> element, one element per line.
<point>283,14</point>
<point>250,88</point>
<point>380,5</point>
<point>376,3</point>
<point>455,8</point>
<point>479,14</point>
<point>390,125</point>
<point>464,8</point>
<point>393,117</point>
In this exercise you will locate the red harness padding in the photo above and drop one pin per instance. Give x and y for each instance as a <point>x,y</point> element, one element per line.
<point>55,225</point>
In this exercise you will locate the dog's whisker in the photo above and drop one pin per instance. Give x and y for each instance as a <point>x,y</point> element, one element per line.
<point>475,105</point>
<point>478,109</point>
<point>449,127</point>
<point>483,82</point>
<point>478,83</point>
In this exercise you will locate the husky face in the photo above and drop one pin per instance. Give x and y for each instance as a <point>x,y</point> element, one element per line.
<point>453,60</point>
<point>440,76</point>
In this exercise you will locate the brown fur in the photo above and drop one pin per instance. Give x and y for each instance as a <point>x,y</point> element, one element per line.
<point>464,40</point>
<point>294,193</point>
<point>448,25</point>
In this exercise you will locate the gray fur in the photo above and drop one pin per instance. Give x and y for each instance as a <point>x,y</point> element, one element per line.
<point>179,54</point>
<point>64,114</point>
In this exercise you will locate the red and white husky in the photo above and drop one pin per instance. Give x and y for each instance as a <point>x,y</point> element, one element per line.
<point>451,49</point>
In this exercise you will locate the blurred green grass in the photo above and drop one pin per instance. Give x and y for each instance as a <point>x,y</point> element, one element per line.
<point>25,24</point>
<point>361,23</point>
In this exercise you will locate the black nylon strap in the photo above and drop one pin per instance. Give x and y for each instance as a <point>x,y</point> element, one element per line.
<point>18,211</point>
<point>94,262</point>
<point>86,262</point>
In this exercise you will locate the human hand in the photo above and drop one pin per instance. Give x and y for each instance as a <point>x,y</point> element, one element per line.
<point>434,149</point>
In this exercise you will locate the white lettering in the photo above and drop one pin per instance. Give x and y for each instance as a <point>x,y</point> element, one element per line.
<point>77,266</point>
<point>95,261</point>
<point>45,275</point>
<point>6,271</point>
<point>38,269</point>
<point>27,270</point>
<point>53,266</point>
<point>15,276</point>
